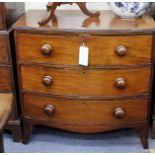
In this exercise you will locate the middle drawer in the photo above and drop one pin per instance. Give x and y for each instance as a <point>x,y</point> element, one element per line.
<point>86,82</point>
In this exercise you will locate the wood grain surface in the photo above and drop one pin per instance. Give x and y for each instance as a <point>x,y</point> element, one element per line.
<point>6,79</point>
<point>65,49</point>
<point>6,108</point>
<point>75,22</point>
<point>56,91</point>
<point>83,113</point>
<point>86,82</point>
<point>4,48</point>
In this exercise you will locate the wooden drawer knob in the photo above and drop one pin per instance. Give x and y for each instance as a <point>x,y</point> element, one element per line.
<point>47,80</point>
<point>46,49</point>
<point>120,83</point>
<point>119,112</point>
<point>121,50</point>
<point>49,110</point>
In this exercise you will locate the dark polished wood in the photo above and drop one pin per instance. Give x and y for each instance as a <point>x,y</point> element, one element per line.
<point>59,49</point>
<point>70,111</point>
<point>99,82</point>
<point>4,45</point>
<point>73,24</point>
<point>14,125</point>
<point>153,125</point>
<point>1,144</point>
<point>9,13</point>
<point>143,134</point>
<point>152,106</point>
<point>7,81</point>
<point>112,92</point>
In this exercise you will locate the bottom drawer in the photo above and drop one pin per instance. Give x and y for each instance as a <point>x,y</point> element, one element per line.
<point>69,111</point>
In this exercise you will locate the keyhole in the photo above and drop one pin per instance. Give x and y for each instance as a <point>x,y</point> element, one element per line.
<point>83,72</point>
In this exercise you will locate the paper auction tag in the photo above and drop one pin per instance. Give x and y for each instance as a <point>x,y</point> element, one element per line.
<point>83,55</point>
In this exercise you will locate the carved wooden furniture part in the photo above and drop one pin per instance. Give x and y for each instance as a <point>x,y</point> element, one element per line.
<point>112,92</point>
<point>51,7</point>
<point>9,13</point>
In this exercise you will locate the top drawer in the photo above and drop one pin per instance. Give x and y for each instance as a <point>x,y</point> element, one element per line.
<point>102,49</point>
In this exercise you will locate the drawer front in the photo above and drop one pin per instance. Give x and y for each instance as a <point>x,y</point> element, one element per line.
<point>5,80</point>
<point>77,111</point>
<point>102,50</point>
<point>4,49</point>
<point>88,82</point>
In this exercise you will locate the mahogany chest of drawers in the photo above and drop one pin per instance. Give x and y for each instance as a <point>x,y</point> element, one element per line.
<point>112,92</point>
<point>9,13</point>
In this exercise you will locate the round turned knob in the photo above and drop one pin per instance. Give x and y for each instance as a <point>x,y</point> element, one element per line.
<point>121,50</point>
<point>120,83</point>
<point>46,49</point>
<point>119,112</point>
<point>47,80</point>
<point>49,110</point>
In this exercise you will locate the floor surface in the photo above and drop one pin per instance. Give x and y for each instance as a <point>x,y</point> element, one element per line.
<point>48,140</point>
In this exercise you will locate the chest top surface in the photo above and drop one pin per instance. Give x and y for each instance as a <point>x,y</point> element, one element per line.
<point>77,22</point>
